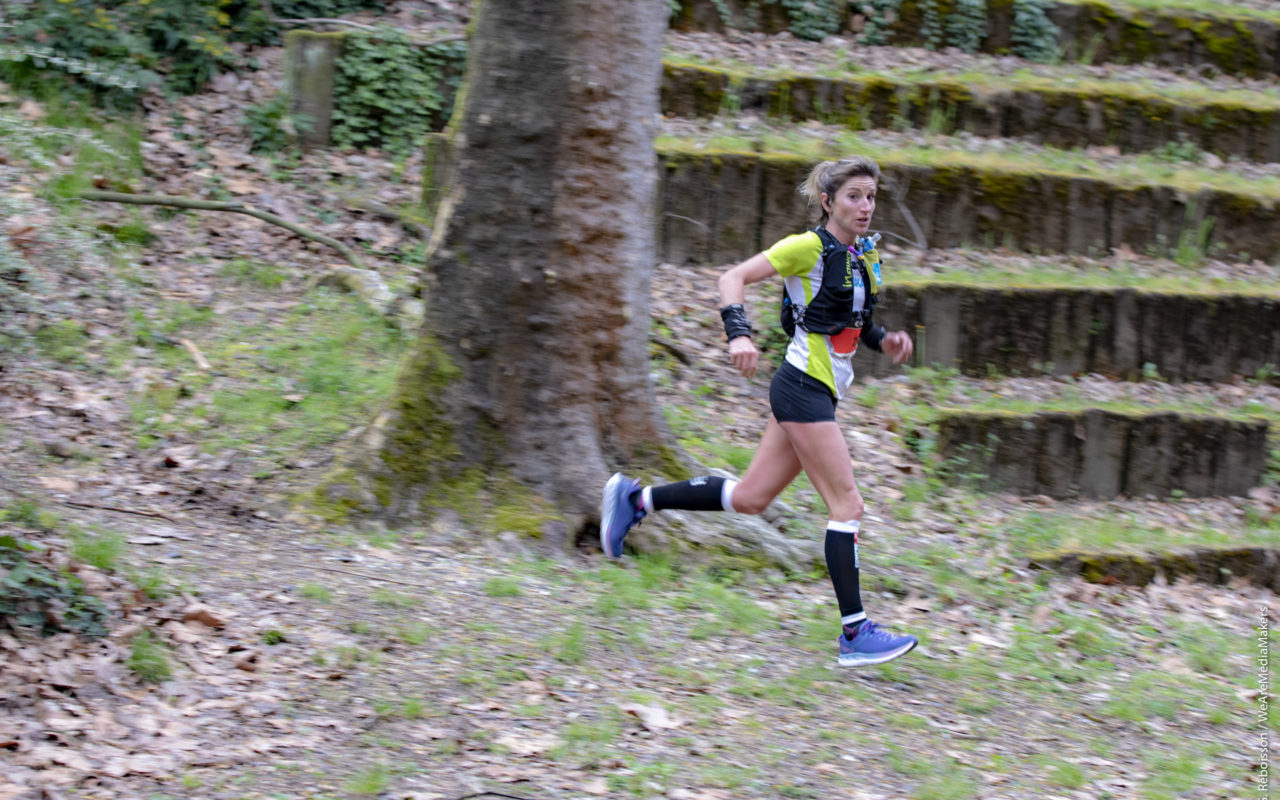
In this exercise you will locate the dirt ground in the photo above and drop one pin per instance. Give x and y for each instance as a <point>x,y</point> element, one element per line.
<point>313,658</point>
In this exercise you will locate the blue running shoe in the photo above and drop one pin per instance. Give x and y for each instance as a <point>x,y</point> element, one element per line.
<point>873,645</point>
<point>617,513</point>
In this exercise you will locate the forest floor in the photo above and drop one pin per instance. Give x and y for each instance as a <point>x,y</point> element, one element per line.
<point>176,379</point>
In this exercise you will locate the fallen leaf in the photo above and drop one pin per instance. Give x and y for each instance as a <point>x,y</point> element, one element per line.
<point>241,186</point>
<point>247,661</point>
<point>432,732</point>
<point>182,633</point>
<point>23,234</point>
<point>527,744</point>
<point>225,159</point>
<point>201,613</point>
<point>655,718</point>
<point>59,484</point>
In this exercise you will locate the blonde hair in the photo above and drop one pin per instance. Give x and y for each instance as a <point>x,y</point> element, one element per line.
<point>828,176</point>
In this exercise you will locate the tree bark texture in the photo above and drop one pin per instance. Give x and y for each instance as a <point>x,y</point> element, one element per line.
<point>533,362</point>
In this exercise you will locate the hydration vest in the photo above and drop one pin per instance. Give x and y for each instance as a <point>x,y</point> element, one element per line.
<point>832,308</point>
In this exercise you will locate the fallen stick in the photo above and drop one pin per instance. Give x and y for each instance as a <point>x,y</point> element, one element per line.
<point>119,510</point>
<point>214,205</point>
<point>201,361</point>
<point>364,575</point>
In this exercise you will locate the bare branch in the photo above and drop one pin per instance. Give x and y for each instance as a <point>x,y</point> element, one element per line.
<point>214,205</point>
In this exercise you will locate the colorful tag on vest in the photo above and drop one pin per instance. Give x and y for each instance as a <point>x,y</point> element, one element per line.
<point>872,258</point>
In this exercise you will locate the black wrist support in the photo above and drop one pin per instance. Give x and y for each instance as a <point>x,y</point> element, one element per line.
<point>735,321</point>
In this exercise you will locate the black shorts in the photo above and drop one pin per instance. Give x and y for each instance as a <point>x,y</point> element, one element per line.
<point>797,397</point>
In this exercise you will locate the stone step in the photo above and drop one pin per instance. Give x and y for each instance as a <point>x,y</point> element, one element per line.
<point>719,205</point>
<point>1068,112</point>
<point>1099,453</point>
<point>1123,333</point>
<point>1213,565</point>
<point>1239,41</point>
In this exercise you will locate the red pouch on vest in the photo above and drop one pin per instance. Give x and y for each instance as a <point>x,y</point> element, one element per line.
<point>846,341</point>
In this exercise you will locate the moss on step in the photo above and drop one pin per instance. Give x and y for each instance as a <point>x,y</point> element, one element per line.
<point>1067,113</point>
<point>1214,565</point>
<point>1021,200</point>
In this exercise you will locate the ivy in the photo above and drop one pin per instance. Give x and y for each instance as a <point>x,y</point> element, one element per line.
<point>186,41</point>
<point>931,24</point>
<point>814,19</point>
<point>722,8</point>
<point>272,127</point>
<point>389,91</point>
<point>963,24</point>
<point>967,25</point>
<point>114,48</point>
<point>880,14</point>
<point>34,596</point>
<point>1034,37</point>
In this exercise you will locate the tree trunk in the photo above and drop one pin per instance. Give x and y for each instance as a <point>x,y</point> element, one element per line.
<point>532,369</point>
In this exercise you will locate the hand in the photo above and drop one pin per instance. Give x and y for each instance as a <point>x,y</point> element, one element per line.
<point>744,354</point>
<point>897,345</point>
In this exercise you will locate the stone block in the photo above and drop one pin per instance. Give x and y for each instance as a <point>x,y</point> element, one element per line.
<point>310,67</point>
<point>1099,453</point>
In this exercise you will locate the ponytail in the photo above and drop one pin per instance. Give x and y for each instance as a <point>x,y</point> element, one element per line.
<point>827,177</point>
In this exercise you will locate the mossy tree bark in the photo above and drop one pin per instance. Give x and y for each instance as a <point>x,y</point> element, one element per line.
<point>532,367</point>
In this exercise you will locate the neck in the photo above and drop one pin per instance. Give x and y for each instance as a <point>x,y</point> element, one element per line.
<point>842,236</point>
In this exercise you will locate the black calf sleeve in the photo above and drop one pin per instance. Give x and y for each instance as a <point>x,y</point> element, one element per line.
<point>842,563</point>
<point>705,493</point>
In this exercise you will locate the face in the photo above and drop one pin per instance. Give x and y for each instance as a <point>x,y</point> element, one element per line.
<point>853,204</point>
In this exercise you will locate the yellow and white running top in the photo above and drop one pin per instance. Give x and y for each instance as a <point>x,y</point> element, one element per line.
<point>798,259</point>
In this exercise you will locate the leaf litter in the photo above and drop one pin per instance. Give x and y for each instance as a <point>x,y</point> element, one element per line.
<point>78,721</point>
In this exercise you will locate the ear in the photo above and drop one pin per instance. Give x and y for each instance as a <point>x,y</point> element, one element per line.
<point>825,201</point>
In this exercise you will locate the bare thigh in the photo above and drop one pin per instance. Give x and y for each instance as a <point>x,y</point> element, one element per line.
<point>824,456</point>
<point>772,468</point>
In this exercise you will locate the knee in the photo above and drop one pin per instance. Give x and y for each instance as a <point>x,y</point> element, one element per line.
<point>851,507</point>
<point>746,503</point>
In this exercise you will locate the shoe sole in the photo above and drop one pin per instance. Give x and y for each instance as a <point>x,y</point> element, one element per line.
<point>607,508</point>
<point>866,661</point>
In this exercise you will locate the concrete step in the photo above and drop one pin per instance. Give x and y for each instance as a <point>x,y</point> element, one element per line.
<point>1068,112</point>
<point>1123,333</point>
<point>1099,453</point>
<point>720,202</point>
<point>1242,41</point>
<point>1213,565</point>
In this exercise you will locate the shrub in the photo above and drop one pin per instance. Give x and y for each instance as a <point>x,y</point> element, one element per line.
<point>34,596</point>
<point>272,127</point>
<point>814,19</point>
<point>880,16</point>
<point>389,91</point>
<point>119,47</point>
<point>1034,37</point>
<point>967,26</point>
<point>130,44</point>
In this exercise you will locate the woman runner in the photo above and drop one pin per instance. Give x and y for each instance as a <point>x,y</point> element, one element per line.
<point>802,434</point>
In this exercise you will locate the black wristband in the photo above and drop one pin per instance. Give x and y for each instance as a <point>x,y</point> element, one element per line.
<point>873,336</point>
<point>735,321</point>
